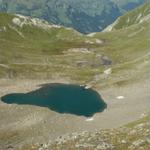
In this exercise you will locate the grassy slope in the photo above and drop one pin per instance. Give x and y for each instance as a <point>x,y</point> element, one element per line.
<point>44,53</point>
<point>133,17</point>
<point>129,47</point>
<point>40,53</point>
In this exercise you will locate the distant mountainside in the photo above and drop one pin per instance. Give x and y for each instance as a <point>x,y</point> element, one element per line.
<point>137,16</point>
<point>127,5</point>
<point>83,15</point>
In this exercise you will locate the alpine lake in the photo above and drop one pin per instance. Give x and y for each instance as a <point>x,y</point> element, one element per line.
<point>62,98</point>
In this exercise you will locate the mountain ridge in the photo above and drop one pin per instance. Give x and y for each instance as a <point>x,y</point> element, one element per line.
<point>137,16</point>
<point>86,17</point>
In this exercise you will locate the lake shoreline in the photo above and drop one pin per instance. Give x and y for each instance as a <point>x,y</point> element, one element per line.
<point>42,122</point>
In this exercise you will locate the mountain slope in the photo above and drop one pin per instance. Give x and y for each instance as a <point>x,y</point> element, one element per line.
<point>132,136</point>
<point>84,15</point>
<point>82,58</point>
<point>127,5</point>
<point>32,43</point>
<point>137,16</point>
<point>114,63</point>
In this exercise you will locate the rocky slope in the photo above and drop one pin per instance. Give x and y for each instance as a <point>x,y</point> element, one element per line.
<point>134,136</point>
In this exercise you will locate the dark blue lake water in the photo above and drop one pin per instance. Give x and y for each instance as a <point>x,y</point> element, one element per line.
<point>62,98</point>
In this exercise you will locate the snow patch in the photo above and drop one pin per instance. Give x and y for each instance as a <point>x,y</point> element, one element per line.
<point>89,42</point>
<point>128,20</point>
<point>16,21</point>
<point>88,86</point>
<point>98,41</point>
<point>111,27</point>
<point>89,119</point>
<point>146,18</point>
<point>91,34</point>
<point>120,97</point>
<point>139,16</point>
<point>108,71</point>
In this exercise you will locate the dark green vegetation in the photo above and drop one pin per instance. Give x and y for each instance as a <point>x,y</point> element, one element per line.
<point>84,15</point>
<point>62,98</point>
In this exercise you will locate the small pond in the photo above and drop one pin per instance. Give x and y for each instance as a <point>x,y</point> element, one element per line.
<point>62,98</point>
